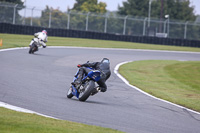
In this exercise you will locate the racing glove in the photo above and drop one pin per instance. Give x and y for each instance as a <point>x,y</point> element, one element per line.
<point>78,65</point>
<point>35,35</point>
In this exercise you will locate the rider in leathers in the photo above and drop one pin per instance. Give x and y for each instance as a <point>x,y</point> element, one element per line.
<point>40,39</point>
<point>103,67</point>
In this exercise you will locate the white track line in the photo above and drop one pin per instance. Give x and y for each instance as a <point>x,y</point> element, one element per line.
<point>19,109</point>
<point>5,105</point>
<point>126,82</point>
<point>184,52</point>
<point>9,49</point>
<point>188,52</point>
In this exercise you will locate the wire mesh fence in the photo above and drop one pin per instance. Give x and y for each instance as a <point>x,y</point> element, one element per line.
<point>106,23</point>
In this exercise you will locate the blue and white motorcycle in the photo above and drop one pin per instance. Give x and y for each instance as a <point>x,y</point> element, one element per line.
<point>87,86</point>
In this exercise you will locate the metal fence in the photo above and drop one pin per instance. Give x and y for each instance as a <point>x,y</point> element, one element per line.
<point>106,23</point>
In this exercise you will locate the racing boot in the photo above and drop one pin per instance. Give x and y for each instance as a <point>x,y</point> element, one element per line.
<point>77,82</point>
<point>32,41</point>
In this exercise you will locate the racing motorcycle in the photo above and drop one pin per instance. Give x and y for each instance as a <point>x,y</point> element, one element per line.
<point>87,86</point>
<point>33,48</point>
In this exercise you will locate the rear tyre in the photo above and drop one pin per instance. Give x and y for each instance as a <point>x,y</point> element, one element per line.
<point>83,96</point>
<point>69,93</point>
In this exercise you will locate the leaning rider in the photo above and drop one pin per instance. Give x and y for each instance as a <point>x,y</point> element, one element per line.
<point>103,67</point>
<point>40,39</point>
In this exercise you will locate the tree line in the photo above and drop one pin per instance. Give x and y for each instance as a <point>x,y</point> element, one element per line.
<point>176,9</point>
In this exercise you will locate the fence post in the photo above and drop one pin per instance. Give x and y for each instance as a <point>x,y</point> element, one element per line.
<point>149,13</point>
<point>185,33</point>
<point>68,22</point>
<point>86,28</point>
<point>24,22</point>
<point>14,13</point>
<point>144,26</point>
<point>105,28</point>
<point>32,16</point>
<point>165,25</point>
<point>168,28</point>
<point>124,32</point>
<point>49,18</point>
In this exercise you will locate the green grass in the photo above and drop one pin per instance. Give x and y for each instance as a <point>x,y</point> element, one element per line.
<point>13,40</point>
<point>17,122</point>
<point>175,81</point>
<point>155,77</point>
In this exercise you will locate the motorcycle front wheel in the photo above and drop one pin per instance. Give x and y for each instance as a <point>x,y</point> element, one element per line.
<point>30,50</point>
<point>33,48</point>
<point>69,93</point>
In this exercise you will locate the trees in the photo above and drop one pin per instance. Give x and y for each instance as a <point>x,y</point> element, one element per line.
<point>134,8</point>
<point>7,11</point>
<point>90,6</point>
<point>176,9</point>
<point>58,18</point>
<point>13,1</point>
<point>183,11</point>
<point>179,10</point>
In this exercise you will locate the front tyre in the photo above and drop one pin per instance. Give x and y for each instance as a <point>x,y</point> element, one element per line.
<point>69,93</point>
<point>30,50</point>
<point>33,48</point>
<point>88,87</point>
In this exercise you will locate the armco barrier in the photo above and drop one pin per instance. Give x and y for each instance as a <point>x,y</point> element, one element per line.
<point>30,30</point>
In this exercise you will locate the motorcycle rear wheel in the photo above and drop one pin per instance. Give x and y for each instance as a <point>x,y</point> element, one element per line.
<point>83,96</point>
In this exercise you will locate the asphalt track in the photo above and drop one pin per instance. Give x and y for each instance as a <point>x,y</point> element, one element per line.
<point>39,83</point>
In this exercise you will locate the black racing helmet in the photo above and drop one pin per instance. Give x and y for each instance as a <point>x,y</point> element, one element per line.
<point>105,60</point>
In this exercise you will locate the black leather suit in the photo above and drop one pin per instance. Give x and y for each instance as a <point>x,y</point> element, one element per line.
<point>103,67</point>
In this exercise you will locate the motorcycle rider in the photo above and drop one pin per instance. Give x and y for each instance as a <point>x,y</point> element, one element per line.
<point>40,39</point>
<point>103,67</point>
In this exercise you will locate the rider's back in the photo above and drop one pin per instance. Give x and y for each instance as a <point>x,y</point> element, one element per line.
<point>42,36</point>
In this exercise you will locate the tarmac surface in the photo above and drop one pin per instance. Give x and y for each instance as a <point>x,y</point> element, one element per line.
<point>40,82</point>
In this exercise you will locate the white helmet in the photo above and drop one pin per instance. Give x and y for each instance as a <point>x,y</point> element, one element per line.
<point>44,31</point>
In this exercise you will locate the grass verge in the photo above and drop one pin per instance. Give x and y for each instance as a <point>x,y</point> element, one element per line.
<point>17,122</point>
<point>13,40</point>
<point>174,81</point>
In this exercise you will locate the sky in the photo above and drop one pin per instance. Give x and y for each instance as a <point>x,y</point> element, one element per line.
<point>112,5</point>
